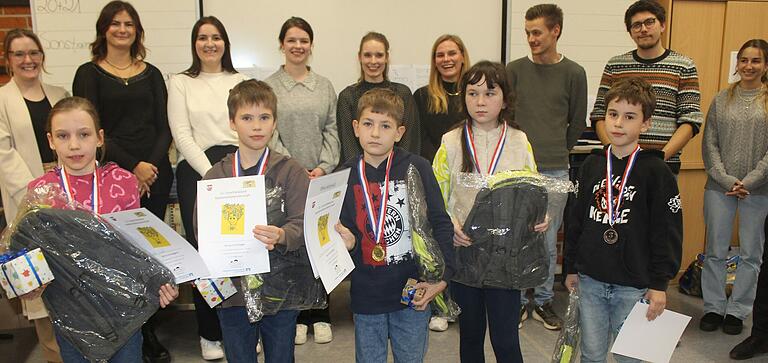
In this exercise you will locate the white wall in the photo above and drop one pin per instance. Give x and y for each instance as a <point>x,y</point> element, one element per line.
<point>410,25</point>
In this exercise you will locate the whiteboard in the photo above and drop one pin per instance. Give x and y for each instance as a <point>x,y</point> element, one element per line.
<point>67,27</point>
<point>411,26</point>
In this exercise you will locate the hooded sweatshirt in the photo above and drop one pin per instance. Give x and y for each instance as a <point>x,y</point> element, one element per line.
<point>377,285</point>
<point>650,223</point>
<point>281,171</point>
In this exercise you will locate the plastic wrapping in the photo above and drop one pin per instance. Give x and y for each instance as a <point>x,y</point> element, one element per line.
<point>567,343</point>
<point>104,287</point>
<point>429,258</point>
<point>290,284</point>
<point>506,252</point>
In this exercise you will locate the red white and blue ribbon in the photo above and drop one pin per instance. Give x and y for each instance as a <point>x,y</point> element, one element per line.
<point>67,186</point>
<point>470,139</point>
<point>262,164</point>
<point>377,224</point>
<point>613,211</point>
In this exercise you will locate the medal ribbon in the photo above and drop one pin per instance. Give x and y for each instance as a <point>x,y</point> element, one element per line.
<point>67,186</point>
<point>470,139</point>
<point>609,183</point>
<point>376,225</point>
<point>262,164</point>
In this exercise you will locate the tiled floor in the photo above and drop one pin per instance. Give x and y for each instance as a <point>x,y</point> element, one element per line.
<point>178,329</point>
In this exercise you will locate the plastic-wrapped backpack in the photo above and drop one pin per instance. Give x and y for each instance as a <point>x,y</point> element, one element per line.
<point>104,287</point>
<point>290,284</point>
<point>506,252</point>
<point>567,343</point>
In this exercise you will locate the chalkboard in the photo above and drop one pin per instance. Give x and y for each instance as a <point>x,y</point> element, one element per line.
<point>67,27</point>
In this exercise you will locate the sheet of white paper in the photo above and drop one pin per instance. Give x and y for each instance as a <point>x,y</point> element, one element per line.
<point>652,341</point>
<point>327,252</point>
<point>160,241</point>
<point>733,77</point>
<point>412,75</point>
<point>227,211</point>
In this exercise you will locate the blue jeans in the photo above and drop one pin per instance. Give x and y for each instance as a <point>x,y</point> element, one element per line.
<point>719,213</point>
<point>406,329</point>
<point>128,353</point>
<point>240,336</point>
<point>498,309</point>
<point>603,308</point>
<point>544,293</point>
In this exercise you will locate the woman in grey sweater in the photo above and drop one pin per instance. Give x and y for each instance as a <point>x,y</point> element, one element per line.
<point>306,131</point>
<point>735,152</point>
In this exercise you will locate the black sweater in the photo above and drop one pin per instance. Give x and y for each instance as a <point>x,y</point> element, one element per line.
<point>377,286</point>
<point>434,125</point>
<point>133,113</point>
<point>346,111</point>
<point>648,252</point>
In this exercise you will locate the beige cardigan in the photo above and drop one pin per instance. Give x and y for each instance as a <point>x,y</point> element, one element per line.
<point>20,160</point>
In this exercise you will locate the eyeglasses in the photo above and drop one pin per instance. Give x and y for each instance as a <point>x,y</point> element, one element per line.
<point>637,26</point>
<point>20,54</point>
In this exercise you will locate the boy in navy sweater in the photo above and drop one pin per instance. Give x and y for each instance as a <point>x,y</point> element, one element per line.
<point>380,243</point>
<point>624,237</point>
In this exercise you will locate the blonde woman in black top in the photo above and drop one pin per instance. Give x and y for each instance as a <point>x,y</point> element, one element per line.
<point>374,66</point>
<point>439,102</point>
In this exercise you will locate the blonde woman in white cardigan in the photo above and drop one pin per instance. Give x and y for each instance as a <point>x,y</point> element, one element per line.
<point>24,151</point>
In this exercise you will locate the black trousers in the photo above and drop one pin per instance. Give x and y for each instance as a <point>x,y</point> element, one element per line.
<point>760,308</point>
<point>309,317</point>
<point>186,187</point>
<point>157,202</point>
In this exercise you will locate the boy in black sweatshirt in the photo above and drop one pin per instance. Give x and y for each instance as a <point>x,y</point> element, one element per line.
<point>380,243</point>
<point>624,241</point>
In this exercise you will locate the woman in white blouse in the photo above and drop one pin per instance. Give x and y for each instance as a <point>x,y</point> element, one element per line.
<point>199,121</point>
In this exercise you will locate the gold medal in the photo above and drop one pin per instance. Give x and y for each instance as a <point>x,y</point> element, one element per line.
<point>378,253</point>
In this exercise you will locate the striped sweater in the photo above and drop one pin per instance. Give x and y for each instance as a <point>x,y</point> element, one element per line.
<point>675,82</point>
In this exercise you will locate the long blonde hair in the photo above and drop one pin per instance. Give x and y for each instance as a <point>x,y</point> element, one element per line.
<point>438,99</point>
<point>762,45</point>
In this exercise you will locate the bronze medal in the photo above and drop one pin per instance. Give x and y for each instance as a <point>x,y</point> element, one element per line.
<point>378,253</point>
<point>610,236</point>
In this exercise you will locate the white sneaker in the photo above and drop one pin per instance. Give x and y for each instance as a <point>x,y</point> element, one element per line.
<point>211,350</point>
<point>323,333</point>
<point>301,334</point>
<point>437,323</point>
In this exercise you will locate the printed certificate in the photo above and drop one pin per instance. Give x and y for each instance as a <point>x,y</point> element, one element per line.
<point>153,236</point>
<point>330,258</point>
<point>227,211</point>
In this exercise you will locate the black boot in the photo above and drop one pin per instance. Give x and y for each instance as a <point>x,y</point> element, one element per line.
<point>152,351</point>
<point>749,348</point>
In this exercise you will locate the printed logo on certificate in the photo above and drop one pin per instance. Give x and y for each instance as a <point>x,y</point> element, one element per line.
<point>233,219</point>
<point>155,239</point>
